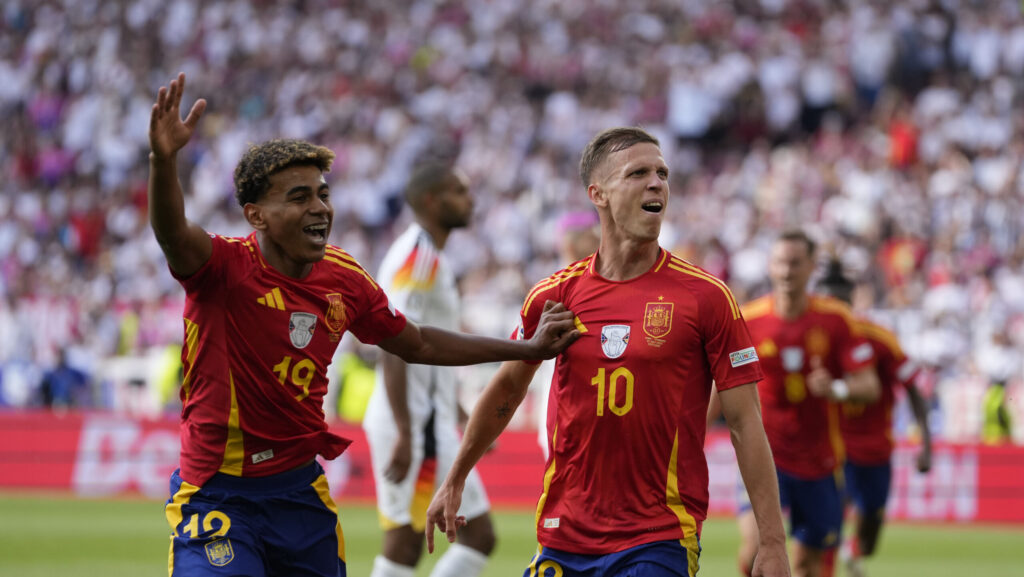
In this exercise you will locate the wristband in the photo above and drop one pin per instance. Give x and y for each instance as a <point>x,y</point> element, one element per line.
<point>840,390</point>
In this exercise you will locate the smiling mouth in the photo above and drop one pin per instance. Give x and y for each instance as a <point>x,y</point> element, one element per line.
<point>654,206</point>
<point>317,232</point>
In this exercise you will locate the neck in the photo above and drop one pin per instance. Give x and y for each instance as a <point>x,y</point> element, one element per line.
<point>790,306</point>
<point>437,233</point>
<point>278,261</point>
<point>627,260</point>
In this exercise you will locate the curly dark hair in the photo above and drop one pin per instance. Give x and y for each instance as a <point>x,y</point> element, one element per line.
<point>252,175</point>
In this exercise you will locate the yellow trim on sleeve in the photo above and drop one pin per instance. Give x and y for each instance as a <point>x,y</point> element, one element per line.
<point>687,268</point>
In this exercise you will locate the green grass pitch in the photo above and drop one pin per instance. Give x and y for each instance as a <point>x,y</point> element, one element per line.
<point>44,535</point>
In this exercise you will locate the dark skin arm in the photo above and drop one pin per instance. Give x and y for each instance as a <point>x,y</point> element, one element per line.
<point>185,244</point>
<point>430,345</point>
<point>396,386</point>
<point>920,408</point>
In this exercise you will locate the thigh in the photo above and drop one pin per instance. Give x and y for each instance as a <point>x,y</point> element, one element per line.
<point>816,512</point>
<point>868,487</point>
<point>474,495</point>
<point>211,536</point>
<point>398,503</point>
<point>302,533</point>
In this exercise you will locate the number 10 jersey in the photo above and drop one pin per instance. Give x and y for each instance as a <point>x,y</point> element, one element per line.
<point>626,414</point>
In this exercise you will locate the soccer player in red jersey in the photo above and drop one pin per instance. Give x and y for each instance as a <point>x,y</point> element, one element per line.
<point>626,484</point>
<point>867,431</point>
<point>263,317</point>
<point>812,357</point>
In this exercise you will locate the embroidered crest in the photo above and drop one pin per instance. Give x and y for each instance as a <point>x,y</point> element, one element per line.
<point>817,342</point>
<point>300,329</point>
<point>614,339</point>
<point>220,552</point>
<point>658,319</point>
<point>335,317</point>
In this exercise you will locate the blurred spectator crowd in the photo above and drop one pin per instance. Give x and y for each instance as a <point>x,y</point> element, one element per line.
<point>891,130</point>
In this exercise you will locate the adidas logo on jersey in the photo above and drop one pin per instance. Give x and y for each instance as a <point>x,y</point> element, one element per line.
<point>272,299</point>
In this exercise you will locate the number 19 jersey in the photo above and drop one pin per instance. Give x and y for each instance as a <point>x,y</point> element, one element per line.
<point>626,415</point>
<point>256,351</point>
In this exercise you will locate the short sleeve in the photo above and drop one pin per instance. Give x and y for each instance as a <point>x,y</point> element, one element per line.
<point>728,347</point>
<point>378,319</point>
<point>415,279</point>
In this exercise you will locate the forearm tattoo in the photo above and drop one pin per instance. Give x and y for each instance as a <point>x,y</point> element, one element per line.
<point>505,409</point>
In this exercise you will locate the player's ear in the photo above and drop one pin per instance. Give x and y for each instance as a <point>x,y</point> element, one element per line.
<point>254,214</point>
<point>597,195</point>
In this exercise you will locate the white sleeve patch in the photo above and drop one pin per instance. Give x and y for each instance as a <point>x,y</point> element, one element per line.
<point>862,352</point>
<point>744,357</point>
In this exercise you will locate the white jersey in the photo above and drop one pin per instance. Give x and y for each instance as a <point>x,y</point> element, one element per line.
<point>419,283</point>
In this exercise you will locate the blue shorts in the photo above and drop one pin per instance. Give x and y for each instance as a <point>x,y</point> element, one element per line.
<point>284,524</point>
<point>657,559</point>
<point>867,487</point>
<point>815,509</point>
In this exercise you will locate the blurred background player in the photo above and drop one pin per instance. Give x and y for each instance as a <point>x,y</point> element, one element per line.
<point>579,236</point>
<point>867,430</point>
<point>812,356</point>
<point>625,490</point>
<point>263,318</point>
<point>413,414</point>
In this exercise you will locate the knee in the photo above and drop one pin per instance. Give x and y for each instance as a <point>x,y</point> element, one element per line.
<point>479,535</point>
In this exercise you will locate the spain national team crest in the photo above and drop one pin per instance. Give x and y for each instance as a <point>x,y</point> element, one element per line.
<point>219,552</point>
<point>658,319</point>
<point>335,316</point>
<point>614,339</point>
<point>300,329</point>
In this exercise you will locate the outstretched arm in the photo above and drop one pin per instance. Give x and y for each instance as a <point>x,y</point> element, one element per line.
<point>185,244</point>
<point>743,413</point>
<point>431,345</point>
<point>490,416</point>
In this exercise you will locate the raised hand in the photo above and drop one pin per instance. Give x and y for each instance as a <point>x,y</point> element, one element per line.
<point>556,330</point>
<point>167,132</point>
<point>819,380</point>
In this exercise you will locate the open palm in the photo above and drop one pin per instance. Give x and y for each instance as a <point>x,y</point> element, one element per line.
<point>167,132</point>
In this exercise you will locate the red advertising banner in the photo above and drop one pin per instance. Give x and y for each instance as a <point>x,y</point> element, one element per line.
<point>102,454</point>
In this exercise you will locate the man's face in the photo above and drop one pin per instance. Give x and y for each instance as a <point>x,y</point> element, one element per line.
<point>296,216</point>
<point>790,267</point>
<point>633,184</point>
<point>455,204</point>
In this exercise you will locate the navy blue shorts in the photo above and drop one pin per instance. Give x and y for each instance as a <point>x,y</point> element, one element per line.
<point>657,559</point>
<point>284,524</point>
<point>867,487</point>
<point>815,509</point>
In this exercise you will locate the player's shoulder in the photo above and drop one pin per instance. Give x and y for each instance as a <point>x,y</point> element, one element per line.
<point>339,262</point>
<point>236,247</point>
<point>877,333</point>
<point>758,308</point>
<point>706,286</point>
<point>831,307</point>
<point>557,282</point>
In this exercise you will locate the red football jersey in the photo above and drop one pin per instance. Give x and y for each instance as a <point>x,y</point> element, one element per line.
<point>256,351</point>
<point>626,417</point>
<point>803,430</point>
<point>867,428</point>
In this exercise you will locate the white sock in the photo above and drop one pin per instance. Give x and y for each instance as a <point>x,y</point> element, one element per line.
<point>460,561</point>
<point>384,567</point>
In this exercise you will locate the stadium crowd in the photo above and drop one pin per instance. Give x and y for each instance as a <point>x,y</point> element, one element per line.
<point>890,129</point>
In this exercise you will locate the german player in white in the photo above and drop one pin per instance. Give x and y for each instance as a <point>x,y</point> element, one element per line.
<point>413,413</point>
